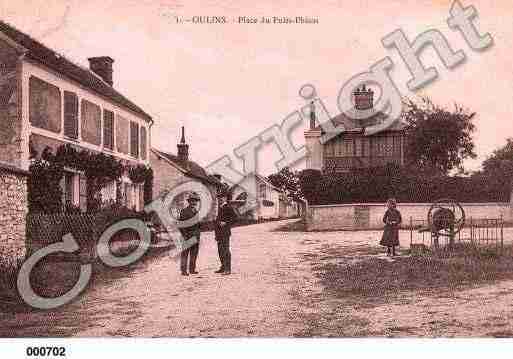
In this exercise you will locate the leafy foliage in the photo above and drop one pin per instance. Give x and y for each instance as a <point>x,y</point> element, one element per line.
<point>497,169</point>
<point>288,182</point>
<point>438,140</point>
<point>406,185</point>
<point>308,182</point>
<point>44,192</point>
<point>143,174</point>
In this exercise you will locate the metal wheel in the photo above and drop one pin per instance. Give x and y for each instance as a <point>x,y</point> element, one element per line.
<point>446,217</point>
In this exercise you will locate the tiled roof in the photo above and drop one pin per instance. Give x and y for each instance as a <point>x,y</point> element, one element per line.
<point>42,54</point>
<point>352,125</point>
<point>190,168</point>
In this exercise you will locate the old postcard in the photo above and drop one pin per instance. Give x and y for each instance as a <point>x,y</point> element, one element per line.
<point>221,169</point>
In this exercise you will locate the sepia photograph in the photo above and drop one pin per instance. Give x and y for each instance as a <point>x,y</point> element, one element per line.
<point>293,170</point>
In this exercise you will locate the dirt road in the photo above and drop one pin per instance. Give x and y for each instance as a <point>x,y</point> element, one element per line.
<point>283,284</point>
<point>153,300</point>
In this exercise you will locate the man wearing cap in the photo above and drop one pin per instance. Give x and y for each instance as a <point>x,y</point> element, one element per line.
<point>190,233</point>
<point>226,216</point>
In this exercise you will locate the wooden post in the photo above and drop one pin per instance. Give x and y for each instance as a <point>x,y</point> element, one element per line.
<point>502,234</point>
<point>451,236</point>
<point>471,232</point>
<point>411,231</point>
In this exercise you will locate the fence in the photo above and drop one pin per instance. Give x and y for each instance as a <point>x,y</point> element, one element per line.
<point>86,229</point>
<point>479,232</point>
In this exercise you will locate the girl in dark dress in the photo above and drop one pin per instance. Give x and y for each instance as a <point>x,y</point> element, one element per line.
<point>392,220</point>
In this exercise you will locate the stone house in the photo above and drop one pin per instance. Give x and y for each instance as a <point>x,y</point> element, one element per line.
<point>47,101</point>
<point>352,148</point>
<point>170,170</point>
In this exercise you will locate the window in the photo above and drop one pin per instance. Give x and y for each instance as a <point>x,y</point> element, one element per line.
<point>358,147</point>
<point>143,143</point>
<point>338,148</point>
<point>44,105</point>
<point>70,114</point>
<point>91,122</point>
<point>73,186</point>
<point>132,194</point>
<point>108,192</point>
<point>365,146</point>
<point>262,189</point>
<point>348,148</point>
<point>397,145</point>
<point>380,146</point>
<point>389,146</point>
<point>328,149</point>
<point>134,139</point>
<point>69,186</point>
<point>121,134</point>
<point>108,129</point>
<point>82,192</point>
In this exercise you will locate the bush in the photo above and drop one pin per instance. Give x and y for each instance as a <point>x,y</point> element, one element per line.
<point>309,181</point>
<point>9,268</point>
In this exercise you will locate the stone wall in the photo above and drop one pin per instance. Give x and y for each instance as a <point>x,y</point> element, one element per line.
<point>10,110</point>
<point>370,215</point>
<point>13,211</point>
<point>167,177</point>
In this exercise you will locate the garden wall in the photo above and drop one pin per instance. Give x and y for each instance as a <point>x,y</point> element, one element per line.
<point>13,211</point>
<point>370,215</point>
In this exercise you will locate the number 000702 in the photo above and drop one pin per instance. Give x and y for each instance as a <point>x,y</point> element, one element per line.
<point>46,351</point>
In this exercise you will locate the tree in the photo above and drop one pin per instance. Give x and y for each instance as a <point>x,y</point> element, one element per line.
<point>288,182</point>
<point>437,139</point>
<point>497,172</point>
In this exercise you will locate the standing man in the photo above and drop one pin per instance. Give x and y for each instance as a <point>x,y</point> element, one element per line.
<point>226,216</point>
<point>190,233</point>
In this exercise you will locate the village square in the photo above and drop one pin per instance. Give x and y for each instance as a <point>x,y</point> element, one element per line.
<point>371,224</point>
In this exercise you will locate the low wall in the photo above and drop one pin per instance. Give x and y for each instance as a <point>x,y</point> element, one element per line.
<point>13,211</point>
<point>370,215</point>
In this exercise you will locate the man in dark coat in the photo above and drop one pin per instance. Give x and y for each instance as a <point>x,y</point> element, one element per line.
<point>189,233</point>
<point>226,216</point>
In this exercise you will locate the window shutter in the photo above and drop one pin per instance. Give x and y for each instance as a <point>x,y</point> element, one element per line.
<point>143,143</point>
<point>83,193</point>
<point>108,129</point>
<point>134,139</point>
<point>141,197</point>
<point>70,114</point>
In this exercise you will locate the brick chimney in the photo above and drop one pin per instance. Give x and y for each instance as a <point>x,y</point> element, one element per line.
<point>363,98</point>
<point>312,115</point>
<point>102,66</point>
<point>183,148</point>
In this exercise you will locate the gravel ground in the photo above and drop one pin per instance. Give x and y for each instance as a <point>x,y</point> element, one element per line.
<point>280,286</point>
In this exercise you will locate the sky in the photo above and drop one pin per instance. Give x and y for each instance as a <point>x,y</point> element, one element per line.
<point>228,82</point>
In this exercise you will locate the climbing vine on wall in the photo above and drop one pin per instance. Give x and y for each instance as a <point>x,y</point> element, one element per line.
<point>45,194</point>
<point>143,174</point>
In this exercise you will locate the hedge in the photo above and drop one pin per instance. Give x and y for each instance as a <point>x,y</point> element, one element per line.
<point>376,185</point>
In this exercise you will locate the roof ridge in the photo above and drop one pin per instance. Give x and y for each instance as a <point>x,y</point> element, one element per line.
<point>61,63</point>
